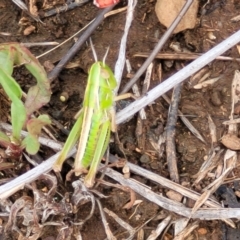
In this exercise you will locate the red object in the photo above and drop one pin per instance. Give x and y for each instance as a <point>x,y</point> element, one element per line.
<point>104,3</point>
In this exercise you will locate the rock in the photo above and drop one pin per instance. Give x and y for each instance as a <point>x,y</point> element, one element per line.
<point>231,141</point>
<point>202,231</point>
<point>174,196</point>
<point>216,98</point>
<point>167,11</point>
<point>145,158</point>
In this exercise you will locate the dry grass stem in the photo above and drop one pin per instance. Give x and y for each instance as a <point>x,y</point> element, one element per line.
<point>161,226</point>
<point>183,56</point>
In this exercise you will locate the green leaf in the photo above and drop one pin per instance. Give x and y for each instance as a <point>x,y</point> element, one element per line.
<point>4,140</point>
<point>15,53</point>
<point>6,62</point>
<point>40,94</point>
<point>14,92</point>
<point>31,144</point>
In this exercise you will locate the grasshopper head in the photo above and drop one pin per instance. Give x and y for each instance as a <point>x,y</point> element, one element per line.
<point>108,76</point>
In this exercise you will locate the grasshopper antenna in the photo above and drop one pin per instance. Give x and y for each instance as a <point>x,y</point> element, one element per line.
<point>105,56</point>
<point>93,50</point>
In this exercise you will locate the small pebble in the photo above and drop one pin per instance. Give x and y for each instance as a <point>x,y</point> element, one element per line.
<point>168,64</point>
<point>176,46</point>
<point>216,99</point>
<point>126,171</point>
<point>144,158</point>
<point>211,36</point>
<point>29,30</point>
<point>237,193</point>
<point>174,195</point>
<point>202,231</point>
<point>64,96</point>
<point>231,141</point>
<point>57,114</point>
<point>154,165</point>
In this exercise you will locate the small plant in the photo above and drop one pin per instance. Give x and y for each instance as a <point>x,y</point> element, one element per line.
<point>15,54</point>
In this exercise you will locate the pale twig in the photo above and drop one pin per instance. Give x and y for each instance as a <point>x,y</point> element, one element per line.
<point>13,186</point>
<point>177,78</point>
<point>108,231</point>
<point>135,88</point>
<point>78,32</point>
<point>65,41</point>
<point>122,223</point>
<point>18,183</point>
<point>183,56</point>
<point>158,47</point>
<point>23,6</point>
<point>189,229</point>
<point>39,44</point>
<point>212,162</point>
<point>187,123</point>
<point>168,204</point>
<point>170,134</point>
<point>232,121</point>
<point>161,226</point>
<point>115,11</point>
<point>122,50</point>
<point>164,182</point>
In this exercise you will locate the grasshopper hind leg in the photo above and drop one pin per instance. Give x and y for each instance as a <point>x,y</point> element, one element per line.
<point>101,148</point>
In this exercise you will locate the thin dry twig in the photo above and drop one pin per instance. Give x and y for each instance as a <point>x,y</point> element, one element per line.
<point>64,8</point>
<point>54,73</point>
<point>164,182</point>
<point>23,6</point>
<point>187,123</point>
<point>178,208</point>
<point>170,135</point>
<point>158,47</point>
<point>213,130</point>
<point>230,159</point>
<point>108,231</point>
<point>161,226</point>
<point>183,56</point>
<point>211,163</point>
<point>122,50</point>
<point>208,214</point>
<point>177,78</point>
<point>78,32</point>
<point>189,229</point>
<point>122,223</point>
<point>39,44</point>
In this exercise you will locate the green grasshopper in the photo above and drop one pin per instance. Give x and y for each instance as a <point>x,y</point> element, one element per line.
<point>94,123</point>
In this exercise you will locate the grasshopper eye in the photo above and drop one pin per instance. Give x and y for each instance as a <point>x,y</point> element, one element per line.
<point>104,73</point>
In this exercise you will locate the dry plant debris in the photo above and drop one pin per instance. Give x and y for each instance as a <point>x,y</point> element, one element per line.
<point>35,204</point>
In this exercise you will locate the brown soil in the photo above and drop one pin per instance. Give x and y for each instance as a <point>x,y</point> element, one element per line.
<point>215,100</point>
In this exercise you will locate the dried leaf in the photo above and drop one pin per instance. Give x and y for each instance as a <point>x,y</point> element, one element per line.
<point>207,83</point>
<point>28,30</point>
<point>34,127</point>
<point>212,128</point>
<point>201,200</point>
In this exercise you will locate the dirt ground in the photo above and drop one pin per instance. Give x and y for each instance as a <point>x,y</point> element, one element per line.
<point>196,104</point>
